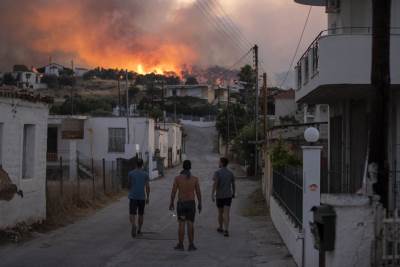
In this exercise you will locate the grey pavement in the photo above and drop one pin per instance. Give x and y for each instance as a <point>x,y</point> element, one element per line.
<point>103,239</point>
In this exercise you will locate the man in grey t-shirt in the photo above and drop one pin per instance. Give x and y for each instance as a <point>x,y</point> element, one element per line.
<point>223,191</point>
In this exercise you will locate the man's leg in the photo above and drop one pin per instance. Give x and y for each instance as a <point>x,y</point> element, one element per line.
<point>140,223</point>
<point>226,212</point>
<point>181,232</point>
<point>190,231</point>
<point>220,218</point>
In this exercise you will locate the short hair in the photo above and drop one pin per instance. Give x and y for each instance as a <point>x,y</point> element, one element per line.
<point>139,163</point>
<point>187,165</point>
<point>224,161</point>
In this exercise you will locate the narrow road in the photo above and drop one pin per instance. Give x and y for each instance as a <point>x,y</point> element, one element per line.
<point>104,238</point>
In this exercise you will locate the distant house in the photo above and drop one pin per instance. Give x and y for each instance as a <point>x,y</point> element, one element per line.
<point>23,134</point>
<point>79,72</point>
<point>202,91</point>
<point>27,78</point>
<point>161,144</point>
<point>54,69</point>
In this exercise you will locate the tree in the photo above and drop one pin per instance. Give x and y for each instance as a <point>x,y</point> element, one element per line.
<point>191,80</point>
<point>247,75</point>
<point>8,79</point>
<point>238,119</point>
<point>50,80</point>
<point>66,80</point>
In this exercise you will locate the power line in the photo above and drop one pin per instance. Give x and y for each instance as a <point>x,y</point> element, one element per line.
<point>297,47</point>
<point>232,23</point>
<point>211,16</point>
<point>226,21</point>
<point>212,20</point>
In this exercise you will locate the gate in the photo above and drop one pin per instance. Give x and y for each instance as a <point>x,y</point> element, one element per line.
<point>170,165</point>
<point>387,250</point>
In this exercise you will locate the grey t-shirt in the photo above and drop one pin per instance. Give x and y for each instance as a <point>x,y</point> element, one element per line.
<point>224,179</point>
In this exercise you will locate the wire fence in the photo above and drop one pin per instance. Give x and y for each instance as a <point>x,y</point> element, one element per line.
<point>80,182</point>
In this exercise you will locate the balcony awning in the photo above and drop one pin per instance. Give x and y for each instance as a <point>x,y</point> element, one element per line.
<point>328,94</point>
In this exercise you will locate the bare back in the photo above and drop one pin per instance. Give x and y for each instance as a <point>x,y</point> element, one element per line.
<point>186,187</point>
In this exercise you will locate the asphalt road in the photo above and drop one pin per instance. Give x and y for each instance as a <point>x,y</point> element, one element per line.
<point>103,239</point>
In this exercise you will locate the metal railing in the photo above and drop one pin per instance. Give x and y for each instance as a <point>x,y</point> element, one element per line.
<point>288,191</point>
<point>314,47</point>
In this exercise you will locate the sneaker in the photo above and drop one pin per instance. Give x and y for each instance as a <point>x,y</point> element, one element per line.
<point>226,233</point>
<point>220,230</point>
<point>179,247</point>
<point>192,247</point>
<point>133,231</point>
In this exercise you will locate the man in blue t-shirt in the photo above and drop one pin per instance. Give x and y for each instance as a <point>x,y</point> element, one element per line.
<point>139,193</point>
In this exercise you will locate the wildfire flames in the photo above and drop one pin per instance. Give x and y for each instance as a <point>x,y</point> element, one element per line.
<point>106,33</point>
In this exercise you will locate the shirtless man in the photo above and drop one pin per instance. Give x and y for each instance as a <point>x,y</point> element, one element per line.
<point>187,187</point>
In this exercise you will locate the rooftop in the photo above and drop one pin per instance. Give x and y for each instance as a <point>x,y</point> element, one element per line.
<point>15,93</point>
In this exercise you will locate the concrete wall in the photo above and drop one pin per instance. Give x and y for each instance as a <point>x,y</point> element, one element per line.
<point>354,230</point>
<point>290,235</point>
<point>161,143</point>
<point>14,115</point>
<point>95,142</point>
<point>285,107</point>
<point>346,59</point>
<point>175,141</point>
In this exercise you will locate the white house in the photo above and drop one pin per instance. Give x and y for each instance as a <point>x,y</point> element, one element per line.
<point>54,69</point>
<point>27,78</point>
<point>336,70</point>
<point>202,91</point>
<point>161,143</point>
<point>175,142</point>
<point>23,134</point>
<point>79,72</point>
<point>111,138</point>
<point>63,135</point>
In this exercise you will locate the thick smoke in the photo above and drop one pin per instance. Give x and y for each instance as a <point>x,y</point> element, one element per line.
<point>147,34</point>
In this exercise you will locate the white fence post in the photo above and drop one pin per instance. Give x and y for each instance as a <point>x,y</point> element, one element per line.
<point>311,198</point>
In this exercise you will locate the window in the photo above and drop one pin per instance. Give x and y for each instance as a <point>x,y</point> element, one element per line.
<point>116,140</point>
<point>28,151</point>
<point>306,70</point>
<point>1,144</point>
<point>332,6</point>
<point>299,82</point>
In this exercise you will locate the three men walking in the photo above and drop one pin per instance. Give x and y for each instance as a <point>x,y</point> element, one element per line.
<point>188,189</point>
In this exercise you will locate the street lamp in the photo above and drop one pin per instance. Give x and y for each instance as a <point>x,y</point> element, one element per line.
<point>311,135</point>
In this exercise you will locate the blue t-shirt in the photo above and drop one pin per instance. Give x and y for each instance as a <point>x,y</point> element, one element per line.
<point>138,179</point>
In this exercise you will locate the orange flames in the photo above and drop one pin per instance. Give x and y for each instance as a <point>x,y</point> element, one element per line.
<point>64,28</point>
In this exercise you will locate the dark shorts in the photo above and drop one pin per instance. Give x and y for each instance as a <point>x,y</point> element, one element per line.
<point>136,206</point>
<point>186,210</point>
<point>224,202</point>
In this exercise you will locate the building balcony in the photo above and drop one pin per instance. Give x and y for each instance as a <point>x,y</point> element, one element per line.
<point>311,2</point>
<point>337,65</point>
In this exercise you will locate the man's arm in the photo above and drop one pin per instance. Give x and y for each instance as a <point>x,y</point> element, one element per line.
<point>198,194</point>
<point>214,189</point>
<point>147,192</point>
<point>173,194</point>
<point>233,187</point>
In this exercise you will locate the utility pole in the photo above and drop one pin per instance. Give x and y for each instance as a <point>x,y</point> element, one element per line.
<point>380,97</point>
<point>228,124</point>
<point>127,106</point>
<point>255,50</point>
<point>119,96</point>
<point>265,104</point>
<point>72,88</point>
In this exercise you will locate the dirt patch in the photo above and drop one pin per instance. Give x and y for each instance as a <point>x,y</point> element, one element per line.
<point>255,205</point>
<point>60,213</point>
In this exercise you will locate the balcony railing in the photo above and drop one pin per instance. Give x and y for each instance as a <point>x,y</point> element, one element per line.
<point>308,65</point>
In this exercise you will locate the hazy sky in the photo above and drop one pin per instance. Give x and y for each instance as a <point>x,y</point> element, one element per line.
<point>276,26</point>
<point>150,35</point>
